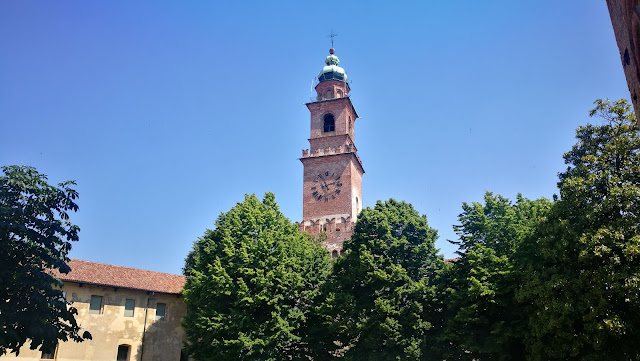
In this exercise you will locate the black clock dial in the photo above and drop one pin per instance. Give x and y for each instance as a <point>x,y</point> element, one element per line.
<point>326,186</point>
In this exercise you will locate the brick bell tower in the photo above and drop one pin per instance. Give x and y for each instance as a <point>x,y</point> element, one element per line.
<point>332,185</point>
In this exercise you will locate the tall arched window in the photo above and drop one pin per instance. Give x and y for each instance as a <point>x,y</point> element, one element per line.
<point>329,123</point>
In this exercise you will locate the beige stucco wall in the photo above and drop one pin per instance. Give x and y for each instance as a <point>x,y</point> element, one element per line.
<point>162,339</point>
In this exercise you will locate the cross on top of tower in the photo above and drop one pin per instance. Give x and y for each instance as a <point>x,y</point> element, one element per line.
<point>332,36</point>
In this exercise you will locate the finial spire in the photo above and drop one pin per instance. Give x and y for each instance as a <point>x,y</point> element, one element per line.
<point>332,35</point>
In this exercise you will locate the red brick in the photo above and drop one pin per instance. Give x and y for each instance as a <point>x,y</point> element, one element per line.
<point>331,160</point>
<point>625,18</point>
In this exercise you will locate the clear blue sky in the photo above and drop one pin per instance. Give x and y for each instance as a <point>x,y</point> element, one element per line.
<point>167,112</point>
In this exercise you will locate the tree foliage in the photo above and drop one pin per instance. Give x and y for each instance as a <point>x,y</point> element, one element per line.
<point>535,279</point>
<point>377,301</point>
<point>250,284</point>
<point>583,262</point>
<point>35,238</point>
<point>482,319</point>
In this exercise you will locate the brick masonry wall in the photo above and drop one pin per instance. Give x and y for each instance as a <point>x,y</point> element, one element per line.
<point>626,27</point>
<point>334,204</point>
<point>332,183</point>
<point>342,110</point>
<point>326,210</point>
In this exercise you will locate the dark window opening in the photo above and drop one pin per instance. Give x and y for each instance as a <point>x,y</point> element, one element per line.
<point>123,353</point>
<point>329,123</point>
<point>95,305</point>
<point>184,356</point>
<point>129,307</point>
<point>626,57</point>
<point>161,310</point>
<point>334,254</point>
<point>48,354</point>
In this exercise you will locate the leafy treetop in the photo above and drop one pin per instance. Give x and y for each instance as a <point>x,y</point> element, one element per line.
<point>583,262</point>
<point>250,282</point>
<point>35,238</point>
<point>377,299</point>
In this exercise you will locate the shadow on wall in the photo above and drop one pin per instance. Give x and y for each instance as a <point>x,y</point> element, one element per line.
<point>162,338</point>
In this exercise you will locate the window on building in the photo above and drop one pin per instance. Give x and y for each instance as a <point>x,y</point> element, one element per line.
<point>161,310</point>
<point>329,123</point>
<point>334,254</point>
<point>63,297</point>
<point>129,307</point>
<point>123,352</point>
<point>48,354</point>
<point>95,306</point>
<point>349,124</point>
<point>183,356</point>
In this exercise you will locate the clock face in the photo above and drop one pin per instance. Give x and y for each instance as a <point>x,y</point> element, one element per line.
<point>326,186</point>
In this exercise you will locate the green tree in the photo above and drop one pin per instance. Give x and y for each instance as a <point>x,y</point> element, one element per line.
<point>482,319</point>
<point>250,283</point>
<point>583,262</point>
<point>377,301</point>
<point>35,238</point>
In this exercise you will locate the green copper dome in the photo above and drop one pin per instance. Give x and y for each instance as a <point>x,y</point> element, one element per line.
<point>332,71</point>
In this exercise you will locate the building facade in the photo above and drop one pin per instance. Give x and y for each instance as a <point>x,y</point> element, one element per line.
<point>625,18</point>
<point>332,181</point>
<point>132,314</point>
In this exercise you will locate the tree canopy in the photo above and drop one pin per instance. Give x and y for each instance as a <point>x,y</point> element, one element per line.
<point>377,299</point>
<point>535,279</point>
<point>482,319</point>
<point>35,239</point>
<point>582,269</point>
<point>250,284</point>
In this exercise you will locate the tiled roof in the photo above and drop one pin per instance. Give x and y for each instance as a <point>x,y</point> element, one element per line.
<point>109,275</point>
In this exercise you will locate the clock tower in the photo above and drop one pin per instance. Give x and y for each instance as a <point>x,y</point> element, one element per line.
<point>332,183</point>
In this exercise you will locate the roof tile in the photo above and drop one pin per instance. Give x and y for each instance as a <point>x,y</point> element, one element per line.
<point>103,274</point>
